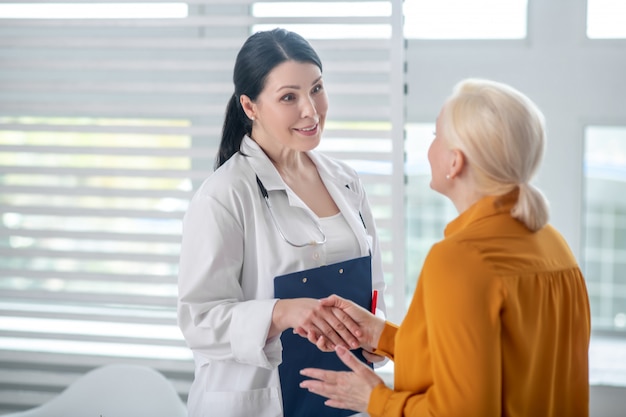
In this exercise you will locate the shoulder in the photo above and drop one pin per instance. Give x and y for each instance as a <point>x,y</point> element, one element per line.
<point>456,275</point>
<point>454,255</point>
<point>458,263</point>
<point>556,249</point>
<point>231,182</point>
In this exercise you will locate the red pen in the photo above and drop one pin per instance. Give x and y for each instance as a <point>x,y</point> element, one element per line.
<point>374,301</point>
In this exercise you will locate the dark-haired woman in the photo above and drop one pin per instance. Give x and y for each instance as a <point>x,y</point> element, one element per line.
<point>235,242</point>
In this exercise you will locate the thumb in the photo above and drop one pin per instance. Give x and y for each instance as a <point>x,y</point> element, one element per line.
<point>333,301</point>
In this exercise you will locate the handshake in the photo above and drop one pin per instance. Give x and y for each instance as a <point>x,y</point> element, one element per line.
<point>337,324</point>
<point>335,321</point>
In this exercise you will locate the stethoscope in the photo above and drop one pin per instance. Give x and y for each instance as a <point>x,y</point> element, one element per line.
<point>269,207</point>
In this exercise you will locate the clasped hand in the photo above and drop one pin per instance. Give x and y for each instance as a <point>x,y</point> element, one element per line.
<point>324,325</point>
<point>346,390</point>
<point>349,323</point>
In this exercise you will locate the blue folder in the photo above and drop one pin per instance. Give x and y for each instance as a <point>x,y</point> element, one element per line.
<point>350,279</point>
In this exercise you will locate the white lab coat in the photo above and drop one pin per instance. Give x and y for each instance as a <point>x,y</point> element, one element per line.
<point>230,253</point>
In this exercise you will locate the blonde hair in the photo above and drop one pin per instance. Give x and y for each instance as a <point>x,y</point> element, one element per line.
<point>501,132</point>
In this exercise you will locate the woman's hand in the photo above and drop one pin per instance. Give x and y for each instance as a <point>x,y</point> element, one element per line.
<point>320,324</point>
<point>369,326</point>
<point>346,390</point>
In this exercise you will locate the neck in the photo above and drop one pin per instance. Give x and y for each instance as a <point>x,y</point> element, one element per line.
<point>289,162</point>
<point>464,195</point>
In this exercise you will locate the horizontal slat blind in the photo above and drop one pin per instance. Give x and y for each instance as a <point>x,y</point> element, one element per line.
<point>107,126</point>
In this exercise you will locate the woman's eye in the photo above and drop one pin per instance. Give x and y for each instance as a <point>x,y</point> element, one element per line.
<point>288,97</point>
<point>318,88</point>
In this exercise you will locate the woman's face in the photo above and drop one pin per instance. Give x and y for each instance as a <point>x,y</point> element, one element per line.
<point>290,112</point>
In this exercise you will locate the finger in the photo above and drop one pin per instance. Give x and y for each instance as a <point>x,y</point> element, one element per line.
<point>325,390</point>
<point>333,301</point>
<point>330,333</point>
<point>313,338</point>
<point>334,329</point>
<point>337,403</point>
<point>319,374</point>
<point>300,332</point>
<point>347,322</point>
<point>318,387</point>
<point>352,361</point>
<point>312,334</point>
<point>324,344</point>
<point>346,334</point>
<point>312,385</point>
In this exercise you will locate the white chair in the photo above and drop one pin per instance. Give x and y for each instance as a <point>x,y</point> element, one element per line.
<point>114,391</point>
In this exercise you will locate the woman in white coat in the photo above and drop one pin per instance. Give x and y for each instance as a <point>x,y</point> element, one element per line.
<point>235,241</point>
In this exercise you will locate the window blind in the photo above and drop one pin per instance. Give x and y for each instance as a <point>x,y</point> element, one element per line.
<point>107,126</point>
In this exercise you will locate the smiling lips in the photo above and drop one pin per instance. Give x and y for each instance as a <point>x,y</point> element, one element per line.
<point>308,131</point>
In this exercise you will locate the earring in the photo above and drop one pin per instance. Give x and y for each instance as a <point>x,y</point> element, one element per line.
<point>448,176</point>
<point>252,118</point>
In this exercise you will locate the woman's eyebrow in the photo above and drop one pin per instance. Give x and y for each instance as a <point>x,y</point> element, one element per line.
<point>297,87</point>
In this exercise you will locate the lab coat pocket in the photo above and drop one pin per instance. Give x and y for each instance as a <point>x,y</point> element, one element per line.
<point>263,402</point>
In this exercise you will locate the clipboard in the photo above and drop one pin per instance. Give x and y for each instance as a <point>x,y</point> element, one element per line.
<point>350,279</point>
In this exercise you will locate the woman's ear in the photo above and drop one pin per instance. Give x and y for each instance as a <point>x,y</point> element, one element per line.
<point>457,163</point>
<point>248,106</point>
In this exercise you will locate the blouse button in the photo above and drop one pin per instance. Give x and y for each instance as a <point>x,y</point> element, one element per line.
<point>316,255</point>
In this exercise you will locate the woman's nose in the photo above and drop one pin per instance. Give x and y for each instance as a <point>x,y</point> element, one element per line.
<point>309,108</point>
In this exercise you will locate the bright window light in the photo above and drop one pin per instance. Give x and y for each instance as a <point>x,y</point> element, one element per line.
<point>317,9</point>
<point>465,19</point>
<point>330,31</point>
<point>419,136</point>
<point>606,19</point>
<point>124,350</point>
<point>93,11</point>
<point>326,9</point>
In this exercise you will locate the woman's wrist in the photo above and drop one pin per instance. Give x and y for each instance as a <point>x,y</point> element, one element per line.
<point>280,318</point>
<point>378,325</point>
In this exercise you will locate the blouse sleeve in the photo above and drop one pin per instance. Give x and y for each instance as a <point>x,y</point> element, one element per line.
<point>386,343</point>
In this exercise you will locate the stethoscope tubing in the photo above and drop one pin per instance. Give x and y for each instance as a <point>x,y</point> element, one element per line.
<point>266,198</point>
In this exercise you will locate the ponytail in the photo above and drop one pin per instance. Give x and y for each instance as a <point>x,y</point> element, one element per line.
<point>531,208</point>
<point>235,127</point>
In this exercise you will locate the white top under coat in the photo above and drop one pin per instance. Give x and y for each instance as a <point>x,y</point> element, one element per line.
<point>341,243</point>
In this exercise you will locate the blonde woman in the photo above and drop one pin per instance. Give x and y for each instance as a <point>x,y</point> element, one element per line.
<point>499,324</point>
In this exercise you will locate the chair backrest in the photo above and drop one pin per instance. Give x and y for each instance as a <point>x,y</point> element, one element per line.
<point>115,391</point>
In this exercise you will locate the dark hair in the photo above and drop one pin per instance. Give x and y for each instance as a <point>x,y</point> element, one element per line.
<point>258,56</point>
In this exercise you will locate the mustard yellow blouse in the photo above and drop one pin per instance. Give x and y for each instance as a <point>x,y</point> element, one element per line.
<point>499,325</point>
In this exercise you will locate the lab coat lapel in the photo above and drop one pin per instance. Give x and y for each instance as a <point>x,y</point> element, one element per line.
<point>343,189</point>
<point>267,173</point>
<point>262,165</point>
